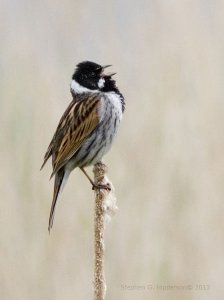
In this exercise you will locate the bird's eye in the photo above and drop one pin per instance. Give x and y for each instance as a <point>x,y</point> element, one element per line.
<point>92,74</point>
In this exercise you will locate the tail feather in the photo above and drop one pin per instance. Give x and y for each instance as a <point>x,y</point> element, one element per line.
<point>61,178</point>
<point>47,155</point>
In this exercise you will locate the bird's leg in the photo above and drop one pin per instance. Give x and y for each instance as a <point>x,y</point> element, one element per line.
<point>89,178</point>
<point>95,186</point>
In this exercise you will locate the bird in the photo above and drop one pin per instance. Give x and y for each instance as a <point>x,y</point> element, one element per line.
<point>87,128</point>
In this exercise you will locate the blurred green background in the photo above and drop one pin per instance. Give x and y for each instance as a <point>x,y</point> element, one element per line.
<point>166,165</point>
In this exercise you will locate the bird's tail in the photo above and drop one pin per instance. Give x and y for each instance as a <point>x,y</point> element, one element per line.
<point>61,178</point>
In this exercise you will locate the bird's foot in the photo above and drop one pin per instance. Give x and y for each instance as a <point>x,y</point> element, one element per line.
<point>106,187</point>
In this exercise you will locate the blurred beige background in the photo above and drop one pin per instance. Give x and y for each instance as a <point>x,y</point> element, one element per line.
<point>167,163</point>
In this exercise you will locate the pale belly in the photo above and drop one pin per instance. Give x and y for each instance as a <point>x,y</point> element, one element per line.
<point>100,140</point>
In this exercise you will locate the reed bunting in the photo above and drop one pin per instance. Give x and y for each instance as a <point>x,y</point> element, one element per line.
<point>88,126</point>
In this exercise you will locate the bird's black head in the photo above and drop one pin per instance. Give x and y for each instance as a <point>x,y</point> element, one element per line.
<point>88,75</point>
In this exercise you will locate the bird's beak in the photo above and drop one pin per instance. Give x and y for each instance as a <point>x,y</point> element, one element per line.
<point>108,74</point>
<point>106,66</point>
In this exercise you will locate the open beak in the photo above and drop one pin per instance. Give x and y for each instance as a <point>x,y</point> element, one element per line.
<point>108,74</point>
<point>106,66</point>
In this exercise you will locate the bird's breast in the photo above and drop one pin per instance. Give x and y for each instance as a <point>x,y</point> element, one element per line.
<point>112,105</point>
<point>100,140</point>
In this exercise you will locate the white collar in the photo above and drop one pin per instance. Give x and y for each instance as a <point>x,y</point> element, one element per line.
<point>78,89</point>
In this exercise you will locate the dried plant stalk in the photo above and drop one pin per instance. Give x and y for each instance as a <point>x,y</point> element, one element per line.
<point>105,205</point>
<point>99,276</point>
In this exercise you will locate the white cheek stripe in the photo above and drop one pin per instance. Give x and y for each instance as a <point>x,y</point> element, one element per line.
<point>78,89</point>
<point>101,83</point>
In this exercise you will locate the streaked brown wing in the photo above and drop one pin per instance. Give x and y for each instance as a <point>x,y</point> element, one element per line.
<point>75,126</point>
<point>57,134</point>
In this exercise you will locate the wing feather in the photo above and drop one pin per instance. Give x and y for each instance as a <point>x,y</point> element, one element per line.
<point>58,131</point>
<point>77,123</point>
